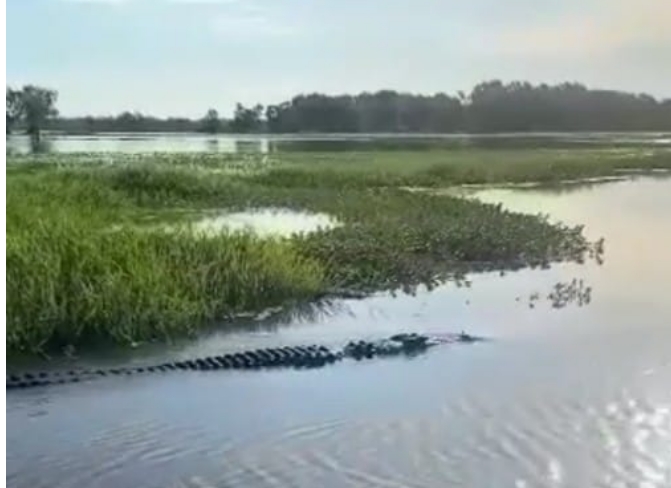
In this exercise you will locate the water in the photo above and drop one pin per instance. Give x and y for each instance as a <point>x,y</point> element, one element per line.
<point>230,143</point>
<point>264,222</point>
<point>561,397</point>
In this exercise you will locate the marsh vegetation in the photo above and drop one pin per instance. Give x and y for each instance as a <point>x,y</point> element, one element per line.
<point>86,263</point>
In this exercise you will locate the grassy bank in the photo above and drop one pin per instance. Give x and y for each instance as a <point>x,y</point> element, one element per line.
<point>83,268</point>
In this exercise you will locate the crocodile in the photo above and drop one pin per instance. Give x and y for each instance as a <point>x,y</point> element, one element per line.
<point>313,356</point>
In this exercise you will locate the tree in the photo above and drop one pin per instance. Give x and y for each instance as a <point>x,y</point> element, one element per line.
<point>211,123</point>
<point>38,105</point>
<point>274,118</point>
<point>89,124</point>
<point>130,121</point>
<point>35,105</point>
<point>491,106</point>
<point>13,108</point>
<point>247,119</point>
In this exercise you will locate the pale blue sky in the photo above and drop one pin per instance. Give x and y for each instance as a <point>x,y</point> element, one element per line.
<point>179,57</point>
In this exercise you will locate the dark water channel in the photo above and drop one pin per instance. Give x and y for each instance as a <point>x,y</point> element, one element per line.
<point>574,396</point>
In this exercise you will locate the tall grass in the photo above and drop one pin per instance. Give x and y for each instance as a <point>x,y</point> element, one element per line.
<point>67,284</point>
<point>71,280</point>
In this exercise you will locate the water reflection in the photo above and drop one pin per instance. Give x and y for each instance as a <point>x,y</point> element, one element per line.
<point>250,143</point>
<point>264,222</point>
<point>251,146</point>
<point>271,319</point>
<point>212,145</point>
<point>592,184</point>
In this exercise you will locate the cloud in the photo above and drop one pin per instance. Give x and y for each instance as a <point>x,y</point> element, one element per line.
<point>207,2</point>
<point>615,25</point>
<point>98,2</point>
<point>250,25</point>
<point>156,2</point>
<point>247,19</point>
<point>224,19</point>
<point>178,2</point>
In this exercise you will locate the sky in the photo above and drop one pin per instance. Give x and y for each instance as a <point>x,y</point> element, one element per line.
<point>181,57</point>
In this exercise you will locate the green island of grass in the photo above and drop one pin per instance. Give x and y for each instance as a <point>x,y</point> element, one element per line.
<point>89,259</point>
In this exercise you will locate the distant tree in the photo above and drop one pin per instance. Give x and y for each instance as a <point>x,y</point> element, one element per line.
<point>89,124</point>
<point>130,122</point>
<point>247,119</point>
<point>37,106</point>
<point>491,106</point>
<point>211,123</point>
<point>274,118</point>
<point>13,109</point>
<point>282,117</point>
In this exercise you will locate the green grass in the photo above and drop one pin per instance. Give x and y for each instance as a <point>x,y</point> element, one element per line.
<point>72,280</point>
<point>83,268</point>
<point>453,167</point>
<point>69,282</point>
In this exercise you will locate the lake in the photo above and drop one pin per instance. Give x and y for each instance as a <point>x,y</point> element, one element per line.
<point>231,143</point>
<point>574,395</point>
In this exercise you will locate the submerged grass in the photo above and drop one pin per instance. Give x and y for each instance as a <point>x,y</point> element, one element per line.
<point>81,269</point>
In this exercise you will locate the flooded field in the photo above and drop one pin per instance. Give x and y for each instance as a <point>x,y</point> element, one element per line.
<point>573,395</point>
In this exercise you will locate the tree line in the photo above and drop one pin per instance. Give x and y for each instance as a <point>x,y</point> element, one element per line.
<point>491,106</point>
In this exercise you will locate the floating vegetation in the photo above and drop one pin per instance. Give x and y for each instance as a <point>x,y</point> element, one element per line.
<point>574,291</point>
<point>533,298</point>
<point>564,294</point>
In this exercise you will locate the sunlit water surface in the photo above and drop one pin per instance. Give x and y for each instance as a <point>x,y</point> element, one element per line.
<point>264,222</point>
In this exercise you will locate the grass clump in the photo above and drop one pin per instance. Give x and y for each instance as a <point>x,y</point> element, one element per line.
<point>69,285</point>
<point>71,280</point>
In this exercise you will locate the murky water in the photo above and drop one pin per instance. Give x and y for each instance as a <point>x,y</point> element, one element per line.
<point>577,396</point>
<point>231,143</point>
